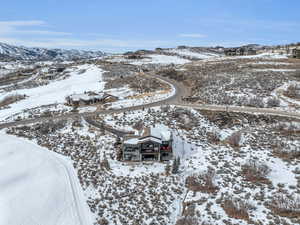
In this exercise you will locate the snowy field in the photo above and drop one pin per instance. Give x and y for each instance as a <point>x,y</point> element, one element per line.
<point>194,55</point>
<point>152,59</point>
<point>57,91</point>
<point>38,186</point>
<point>146,193</point>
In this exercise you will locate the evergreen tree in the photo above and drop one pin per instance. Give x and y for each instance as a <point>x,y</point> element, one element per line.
<point>105,163</point>
<point>178,162</point>
<point>175,166</point>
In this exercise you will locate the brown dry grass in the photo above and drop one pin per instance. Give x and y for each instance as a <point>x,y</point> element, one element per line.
<point>234,140</point>
<point>256,172</point>
<point>286,206</point>
<point>236,208</point>
<point>202,182</point>
<point>10,99</point>
<point>286,153</point>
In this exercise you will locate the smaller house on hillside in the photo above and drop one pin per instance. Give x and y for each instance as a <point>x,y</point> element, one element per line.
<point>239,51</point>
<point>230,52</point>
<point>154,144</point>
<point>251,51</point>
<point>89,98</point>
<point>296,53</point>
<point>49,76</point>
<point>56,69</point>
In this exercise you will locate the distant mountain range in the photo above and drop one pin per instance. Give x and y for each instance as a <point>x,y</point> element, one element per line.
<point>10,52</point>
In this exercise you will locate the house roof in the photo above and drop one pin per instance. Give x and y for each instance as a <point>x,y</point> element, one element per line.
<point>86,97</point>
<point>149,138</point>
<point>132,141</point>
<point>157,133</point>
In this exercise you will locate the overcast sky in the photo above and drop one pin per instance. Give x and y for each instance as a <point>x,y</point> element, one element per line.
<point>121,25</point>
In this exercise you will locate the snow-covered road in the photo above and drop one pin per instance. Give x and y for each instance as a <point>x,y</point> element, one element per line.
<point>38,186</point>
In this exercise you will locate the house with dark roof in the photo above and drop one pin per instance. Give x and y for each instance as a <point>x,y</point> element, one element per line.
<point>296,53</point>
<point>154,144</point>
<point>239,51</point>
<point>89,98</point>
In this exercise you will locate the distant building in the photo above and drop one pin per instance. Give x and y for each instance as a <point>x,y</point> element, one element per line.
<point>251,51</point>
<point>230,51</point>
<point>89,99</point>
<point>239,51</point>
<point>49,76</point>
<point>296,53</point>
<point>58,69</point>
<point>154,144</point>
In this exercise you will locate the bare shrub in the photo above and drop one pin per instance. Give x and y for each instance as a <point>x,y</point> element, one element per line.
<point>287,128</point>
<point>226,99</point>
<point>242,101</point>
<point>287,206</point>
<point>236,208</point>
<point>285,152</point>
<point>256,102</point>
<point>104,163</point>
<point>187,221</point>
<point>255,171</point>
<point>168,169</point>
<point>103,221</point>
<point>293,91</point>
<point>172,74</point>
<point>273,102</point>
<point>204,182</point>
<point>234,139</point>
<point>138,125</point>
<point>213,137</point>
<point>51,126</point>
<point>141,84</point>
<point>297,74</point>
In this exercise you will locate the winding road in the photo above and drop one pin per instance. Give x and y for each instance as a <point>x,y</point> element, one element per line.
<point>176,99</point>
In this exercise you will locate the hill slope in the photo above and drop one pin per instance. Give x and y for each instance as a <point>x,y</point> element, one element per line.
<point>10,52</point>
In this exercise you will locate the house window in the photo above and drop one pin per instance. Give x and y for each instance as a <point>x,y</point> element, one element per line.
<point>148,145</point>
<point>127,157</point>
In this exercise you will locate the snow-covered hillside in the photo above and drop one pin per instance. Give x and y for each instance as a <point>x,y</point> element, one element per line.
<point>38,186</point>
<point>151,59</point>
<point>188,53</point>
<point>56,92</point>
<point>23,53</point>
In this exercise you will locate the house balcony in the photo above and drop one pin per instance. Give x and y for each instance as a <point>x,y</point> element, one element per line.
<point>166,149</point>
<point>149,150</point>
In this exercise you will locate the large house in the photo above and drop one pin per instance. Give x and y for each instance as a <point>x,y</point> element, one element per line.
<point>296,53</point>
<point>239,51</point>
<point>154,144</point>
<point>89,98</point>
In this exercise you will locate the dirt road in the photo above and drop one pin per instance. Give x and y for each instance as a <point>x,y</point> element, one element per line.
<point>176,99</point>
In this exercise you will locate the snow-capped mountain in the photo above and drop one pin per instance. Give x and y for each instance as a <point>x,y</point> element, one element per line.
<point>24,53</point>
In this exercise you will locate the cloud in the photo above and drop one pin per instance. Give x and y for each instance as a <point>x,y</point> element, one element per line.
<point>29,33</point>
<point>12,28</point>
<point>111,45</point>
<point>22,23</point>
<point>42,32</point>
<point>192,35</point>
